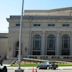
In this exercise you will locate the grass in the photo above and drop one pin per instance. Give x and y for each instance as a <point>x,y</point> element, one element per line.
<point>65,65</point>
<point>34,65</point>
<point>25,65</point>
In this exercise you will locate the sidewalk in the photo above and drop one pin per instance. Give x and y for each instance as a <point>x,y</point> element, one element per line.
<point>8,66</point>
<point>67,67</point>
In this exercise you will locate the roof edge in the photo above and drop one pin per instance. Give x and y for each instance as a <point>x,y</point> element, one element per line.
<point>52,10</point>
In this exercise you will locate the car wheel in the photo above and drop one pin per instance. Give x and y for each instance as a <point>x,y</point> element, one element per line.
<point>54,68</point>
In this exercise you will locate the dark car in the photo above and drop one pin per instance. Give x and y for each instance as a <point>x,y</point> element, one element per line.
<point>47,65</point>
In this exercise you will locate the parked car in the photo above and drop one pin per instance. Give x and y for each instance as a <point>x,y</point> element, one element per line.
<point>47,65</point>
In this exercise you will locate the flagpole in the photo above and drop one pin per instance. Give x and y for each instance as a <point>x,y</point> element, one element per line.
<point>20,33</point>
<point>20,39</point>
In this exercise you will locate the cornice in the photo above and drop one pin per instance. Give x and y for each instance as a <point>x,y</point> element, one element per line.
<point>52,10</point>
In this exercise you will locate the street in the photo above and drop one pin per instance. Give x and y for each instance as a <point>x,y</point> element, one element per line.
<point>43,70</point>
<point>38,70</point>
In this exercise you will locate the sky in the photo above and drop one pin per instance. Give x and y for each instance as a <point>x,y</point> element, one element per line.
<point>13,7</point>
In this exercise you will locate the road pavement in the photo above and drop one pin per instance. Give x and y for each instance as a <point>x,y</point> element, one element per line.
<point>30,69</point>
<point>43,70</point>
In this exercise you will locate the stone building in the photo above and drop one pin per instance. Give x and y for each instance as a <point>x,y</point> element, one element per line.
<point>3,44</point>
<point>44,33</point>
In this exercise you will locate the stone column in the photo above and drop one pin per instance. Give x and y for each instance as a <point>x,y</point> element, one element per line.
<point>43,43</point>
<point>57,51</point>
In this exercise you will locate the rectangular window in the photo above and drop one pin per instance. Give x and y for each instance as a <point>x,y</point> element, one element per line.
<point>17,24</point>
<point>51,25</point>
<point>65,25</point>
<point>36,25</point>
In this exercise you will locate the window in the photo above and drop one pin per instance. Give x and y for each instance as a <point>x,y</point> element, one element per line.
<point>51,40</point>
<point>36,44</point>
<point>16,48</point>
<point>17,24</point>
<point>51,24</point>
<point>36,25</point>
<point>65,44</point>
<point>65,25</point>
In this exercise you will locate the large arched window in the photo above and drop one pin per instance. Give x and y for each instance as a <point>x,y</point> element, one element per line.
<point>51,40</point>
<point>65,44</point>
<point>36,45</point>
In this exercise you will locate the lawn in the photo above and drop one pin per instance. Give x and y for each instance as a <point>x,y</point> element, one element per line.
<point>65,65</point>
<point>25,65</point>
<point>34,65</point>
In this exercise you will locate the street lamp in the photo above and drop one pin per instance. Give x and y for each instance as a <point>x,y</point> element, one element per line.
<point>20,39</point>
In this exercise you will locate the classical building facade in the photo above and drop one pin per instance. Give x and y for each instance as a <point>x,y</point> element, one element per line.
<point>3,45</point>
<point>44,33</point>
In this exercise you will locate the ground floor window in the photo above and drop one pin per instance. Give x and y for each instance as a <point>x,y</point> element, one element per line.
<point>65,45</point>
<point>36,45</point>
<point>16,49</point>
<point>51,45</point>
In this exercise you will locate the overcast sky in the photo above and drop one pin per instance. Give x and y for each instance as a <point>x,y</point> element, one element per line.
<point>13,7</point>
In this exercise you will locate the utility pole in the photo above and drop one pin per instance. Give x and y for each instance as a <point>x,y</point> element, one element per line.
<point>20,40</point>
